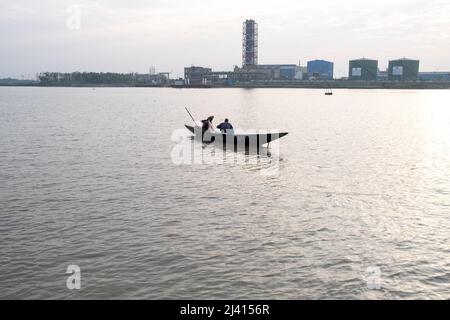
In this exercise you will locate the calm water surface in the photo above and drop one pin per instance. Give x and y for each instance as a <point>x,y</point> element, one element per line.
<point>361,183</point>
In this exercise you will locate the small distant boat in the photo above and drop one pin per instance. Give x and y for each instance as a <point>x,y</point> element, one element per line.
<point>329,92</point>
<point>236,139</point>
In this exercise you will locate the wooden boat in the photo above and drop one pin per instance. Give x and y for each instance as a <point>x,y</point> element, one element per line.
<point>249,140</point>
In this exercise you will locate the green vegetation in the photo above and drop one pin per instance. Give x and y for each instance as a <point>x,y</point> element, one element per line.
<point>94,78</point>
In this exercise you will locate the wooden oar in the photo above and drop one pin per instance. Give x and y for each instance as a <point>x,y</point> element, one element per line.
<point>195,123</point>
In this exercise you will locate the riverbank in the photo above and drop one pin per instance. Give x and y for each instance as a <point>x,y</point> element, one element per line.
<point>335,84</point>
<point>342,84</point>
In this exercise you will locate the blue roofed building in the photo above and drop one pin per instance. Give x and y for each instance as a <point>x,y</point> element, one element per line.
<point>320,69</point>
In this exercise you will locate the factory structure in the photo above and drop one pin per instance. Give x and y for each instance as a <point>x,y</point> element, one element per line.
<point>251,70</point>
<point>316,71</point>
<point>320,70</point>
<point>249,44</point>
<point>434,76</point>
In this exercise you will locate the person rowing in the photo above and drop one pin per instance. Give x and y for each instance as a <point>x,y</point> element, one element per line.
<point>225,127</point>
<point>207,124</point>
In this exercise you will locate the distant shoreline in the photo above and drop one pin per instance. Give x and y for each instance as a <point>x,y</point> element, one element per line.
<point>338,84</point>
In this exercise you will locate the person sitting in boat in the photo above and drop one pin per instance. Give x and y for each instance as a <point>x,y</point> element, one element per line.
<point>225,127</point>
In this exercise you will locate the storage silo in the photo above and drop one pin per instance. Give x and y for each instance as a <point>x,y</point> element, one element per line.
<point>363,69</point>
<point>403,69</point>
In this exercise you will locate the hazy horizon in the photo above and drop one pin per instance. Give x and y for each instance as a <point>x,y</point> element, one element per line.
<point>131,36</point>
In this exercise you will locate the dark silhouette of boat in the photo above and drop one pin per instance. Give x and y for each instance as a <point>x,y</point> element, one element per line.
<point>248,140</point>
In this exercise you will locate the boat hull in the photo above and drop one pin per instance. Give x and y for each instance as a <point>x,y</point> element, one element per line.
<point>248,140</point>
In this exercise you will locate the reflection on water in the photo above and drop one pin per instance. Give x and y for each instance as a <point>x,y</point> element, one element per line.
<point>265,158</point>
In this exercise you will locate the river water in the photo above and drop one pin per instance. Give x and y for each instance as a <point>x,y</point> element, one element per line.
<point>353,204</point>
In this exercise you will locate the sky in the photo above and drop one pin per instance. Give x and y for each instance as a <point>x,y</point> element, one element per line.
<point>133,35</point>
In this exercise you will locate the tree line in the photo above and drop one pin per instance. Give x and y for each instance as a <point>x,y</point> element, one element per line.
<point>95,78</point>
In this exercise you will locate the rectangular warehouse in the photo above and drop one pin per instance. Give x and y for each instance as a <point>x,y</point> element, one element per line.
<point>434,76</point>
<point>279,71</point>
<point>320,70</point>
<point>403,69</point>
<point>363,69</point>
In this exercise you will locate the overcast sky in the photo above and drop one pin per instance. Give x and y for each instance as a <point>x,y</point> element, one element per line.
<point>132,35</point>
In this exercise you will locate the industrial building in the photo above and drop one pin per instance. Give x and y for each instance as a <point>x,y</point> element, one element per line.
<point>359,71</point>
<point>249,44</point>
<point>320,70</point>
<point>250,71</point>
<point>363,69</point>
<point>434,76</point>
<point>281,71</point>
<point>403,69</point>
<point>200,76</point>
<point>195,76</point>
